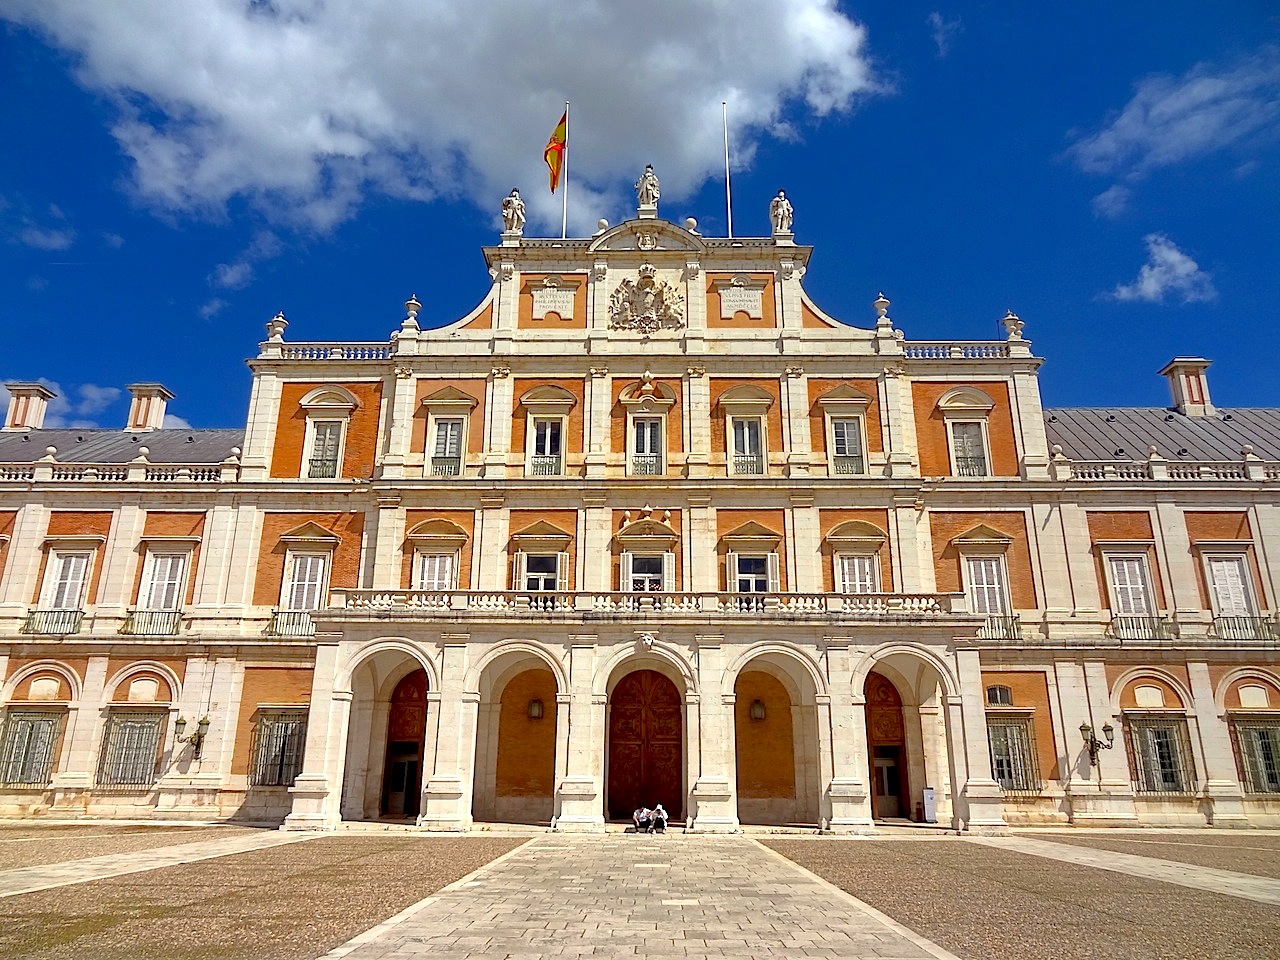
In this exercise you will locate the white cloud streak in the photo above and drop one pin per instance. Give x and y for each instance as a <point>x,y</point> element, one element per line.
<point>1167,272</point>
<point>944,32</point>
<point>303,108</point>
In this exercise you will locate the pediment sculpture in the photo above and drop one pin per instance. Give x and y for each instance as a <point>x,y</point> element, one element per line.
<point>646,304</point>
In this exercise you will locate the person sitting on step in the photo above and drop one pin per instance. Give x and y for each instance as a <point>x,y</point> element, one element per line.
<point>643,819</point>
<point>658,819</point>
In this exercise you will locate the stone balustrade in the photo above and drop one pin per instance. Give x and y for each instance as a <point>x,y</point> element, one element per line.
<point>136,471</point>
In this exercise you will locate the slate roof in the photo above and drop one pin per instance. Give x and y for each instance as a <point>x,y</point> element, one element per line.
<point>1127,433</point>
<point>117,446</point>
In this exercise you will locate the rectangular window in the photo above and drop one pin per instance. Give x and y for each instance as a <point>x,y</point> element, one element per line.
<point>306,581</point>
<point>168,577</point>
<point>130,748</point>
<point>27,745</point>
<point>1160,754</point>
<point>968,449</point>
<point>1258,747</point>
<point>857,573</point>
<point>987,591</point>
<point>748,446</point>
<point>1130,586</point>
<point>646,446</point>
<point>541,571</point>
<point>66,588</point>
<point>278,747</point>
<point>846,446</point>
<point>326,441</point>
<point>547,450</point>
<point>446,455</point>
<point>1229,578</point>
<point>435,571</point>
<point>647,574</point>
<point>1013,754</point>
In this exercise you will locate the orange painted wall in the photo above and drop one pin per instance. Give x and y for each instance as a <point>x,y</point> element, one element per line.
<point>7,520</point>
<point>829,519</point>
<point>566,520</point>
<point>527,748</point>
<point>344,571</point>
<point>618,417</point>
<point>931,428</point>
<point>473,388</point>
<point>274,685</point>
<point>466,519</point>
<point>482,320</point>
<point>871,420</point>
<point>615,547</point>
<point>1129,700</point>
<point>773,421</point>
<point>1123,525</point>
<point>740,319</point>
<point>68,523</point>
<point>573,437</point>
<point>811,319</point>
<point>78,665</point>
<point>164,692</point>
<point>729,520</point>
<point>1225,525</point>
<point>945,527</point>
<point>1177,670</point>
<point>1269,680</point>
<point>360,445</point>
<point>1030,688</point>
<point>578,321</point>
<point>160,524</point>
<point>766,748</point>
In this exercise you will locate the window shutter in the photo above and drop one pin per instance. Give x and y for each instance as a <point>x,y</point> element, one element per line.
<point>731,572</point>
<point>856,573</point>
<point>986,585</point>
<point>624,571</point>
<point>1229,589</point>
<point>165,591</point>
<point>518,571</point>
<point>669,572</point>
<point>775,574</point>
<point>562,572</point>
<point>1129,581</point>
<point>68,589</point>
<point>307,582</point>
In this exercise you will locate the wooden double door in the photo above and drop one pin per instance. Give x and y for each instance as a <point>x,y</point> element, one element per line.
<point>406,729</point>
<point>646,745</point>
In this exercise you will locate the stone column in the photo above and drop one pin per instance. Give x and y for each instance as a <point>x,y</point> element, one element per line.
<point>714,793</point>
<point>1110,797</point>
<point>18,587</point>
<point>804,545</point>
<point>580,791</point>
<point>403,389</point>
<point>595,531</point>
<point>388,524</point>
<point>119,559</point>
<point>86,717</point>
<point>795,421</point>
<point>898,423</point>
<point>260,427</point>
<point>190,786</point>
<point>599,398</point>
<point>446,795</point>
<point>912,547</point>
<point>317,790</point>
<point>1222,786</point>
<point>488,559</point>
<point>983,798</point>
<point>1175,544</point>
<point>697,422</point>
<point>702,566</point>
<point>498,403</point>
<point>843,739</point>
<point>1029,422</point>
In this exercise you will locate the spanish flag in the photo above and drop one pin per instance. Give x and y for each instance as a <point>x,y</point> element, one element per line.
<point>554,154</point>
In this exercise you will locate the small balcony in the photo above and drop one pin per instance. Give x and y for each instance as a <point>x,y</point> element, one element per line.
<point>848,466</point>
<point>53,623</point>
<point>322,468</point>
<point>1007,627</point>
<point>748,464</point>
<point>1142,628</point>
<point>291,623</point>
<point>972,467</point>
<point>546,465</point>
<point>646,465</point>
<point>446,466</point>
<point>1245,628</point>
<point>152,623</point>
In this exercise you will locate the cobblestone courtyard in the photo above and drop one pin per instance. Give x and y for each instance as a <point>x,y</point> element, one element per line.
<point>198,893</point>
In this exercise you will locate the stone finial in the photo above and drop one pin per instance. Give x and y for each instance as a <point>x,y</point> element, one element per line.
<point>691,224</point>
<point>411,308</point>
<point>275,327</point>
<point>1012,325</point>
<point>883,322</point>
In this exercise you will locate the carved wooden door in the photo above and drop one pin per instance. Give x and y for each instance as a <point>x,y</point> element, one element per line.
<point>886,740</point>
<point>645,745</point>
<point>406,728</point>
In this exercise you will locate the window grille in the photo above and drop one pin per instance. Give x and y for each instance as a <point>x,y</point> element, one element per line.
<point>435,571</point>
<point>325,441</point>
<point>1160,755</point>
<point>446,458</point>
<point>1014,764</point>
<point>278,746</point>
<point>1257,745</point>
<point>858,573</point>
<point>26,747</point>
<point>130,748</point>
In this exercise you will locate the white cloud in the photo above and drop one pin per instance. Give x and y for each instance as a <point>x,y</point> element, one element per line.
<point>302,107</point>
<point>113,240</point>
<point>1173,119</point>
<point>238,273</point>
<point>172,422</point>
<point>944,32</point>
<point>211,308</point>
<point>1112,201</point>
<point>1168,271</point>
<point>46,238</point>
<point>95,399</point>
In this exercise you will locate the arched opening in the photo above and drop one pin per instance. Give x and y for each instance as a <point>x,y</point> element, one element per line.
<point>646,745</point>
<point>516,742</point>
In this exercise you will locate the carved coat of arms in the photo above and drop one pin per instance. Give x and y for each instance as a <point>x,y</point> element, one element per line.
<point>646,305</point>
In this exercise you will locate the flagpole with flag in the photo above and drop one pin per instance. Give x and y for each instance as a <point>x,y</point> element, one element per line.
<point>556,156</point>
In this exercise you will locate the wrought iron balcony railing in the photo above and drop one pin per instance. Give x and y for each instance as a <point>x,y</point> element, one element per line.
<point>152,623</point>
<point>1245,628</point>
<point>58,623</point>
<point>546,465</point>
<point>848,466</point>
<point>971,467</point>
<point>291,623</point>
<point>1002,628</point>
<point>748,464</point>
<point>446,466</point>
<point>322,468</point>
<point>1142,628</point>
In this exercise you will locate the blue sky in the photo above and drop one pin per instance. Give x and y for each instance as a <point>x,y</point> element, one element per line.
<point>175,173</point>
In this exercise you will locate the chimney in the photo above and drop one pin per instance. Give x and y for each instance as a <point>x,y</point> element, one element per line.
<point>146,411</point>
<point>27,405</point>
<point>1190,386</point>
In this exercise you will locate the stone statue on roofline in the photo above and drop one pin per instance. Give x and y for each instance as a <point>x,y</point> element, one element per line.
<point>647,188</point>
<point>513,213</point>
<point>780,213</point>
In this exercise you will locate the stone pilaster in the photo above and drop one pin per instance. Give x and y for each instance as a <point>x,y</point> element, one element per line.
<point>714,800</point>
<point>580,782</point>
<point>316,791</point>
<point>1221,787</point>
<point>983,798</point>
<point>446,795</point>
<point>497,426</point>
<point>843,738</point>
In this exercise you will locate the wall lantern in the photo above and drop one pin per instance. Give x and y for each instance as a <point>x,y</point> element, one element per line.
<point>195,739</point>
<point>1093,744</point>
<point>757,709</point>
<point>535,709</point>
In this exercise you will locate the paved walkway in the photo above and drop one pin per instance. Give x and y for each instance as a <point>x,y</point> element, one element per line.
<point>1246,886</point>
<point>44,876</point>
<point>657,897</point>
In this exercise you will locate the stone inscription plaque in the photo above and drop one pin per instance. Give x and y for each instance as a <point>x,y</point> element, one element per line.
<point>750,300</point>
<point>558,300</point>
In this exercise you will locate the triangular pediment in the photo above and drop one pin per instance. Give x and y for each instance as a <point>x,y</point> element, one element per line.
<point>648,235</point>
<point>844,393</point>
<point>449,395</point>
<point>542,530</point>
<point>982,533</point>
<point>751,530</point>
<point>312,533</point>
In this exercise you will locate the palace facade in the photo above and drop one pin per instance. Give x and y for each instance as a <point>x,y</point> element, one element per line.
<point>647,525</point>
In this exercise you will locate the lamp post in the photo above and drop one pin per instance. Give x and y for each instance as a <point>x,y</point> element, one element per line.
<point>1093,744</point>
<point>196,739</point>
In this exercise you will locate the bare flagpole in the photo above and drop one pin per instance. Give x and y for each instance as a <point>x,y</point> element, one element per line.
<point>564,197</point>
<point>728,193</point>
